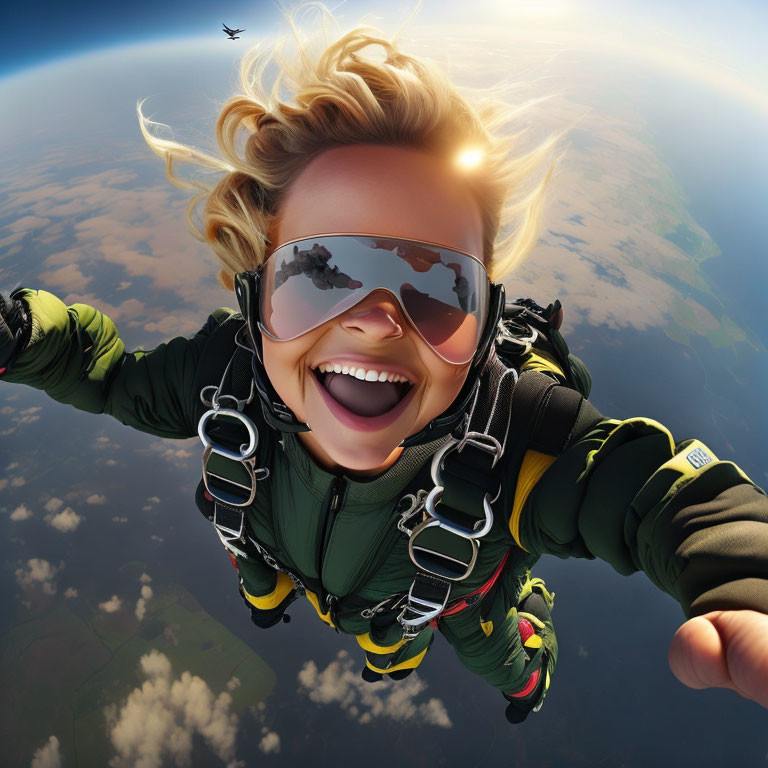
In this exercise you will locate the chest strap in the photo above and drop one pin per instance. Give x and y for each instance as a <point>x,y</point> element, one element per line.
<point>467,474</point>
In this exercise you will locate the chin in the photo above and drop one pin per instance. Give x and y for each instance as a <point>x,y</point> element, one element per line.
<point>360,458</point>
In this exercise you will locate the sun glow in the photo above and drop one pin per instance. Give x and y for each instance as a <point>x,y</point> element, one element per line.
<point>469,158</point>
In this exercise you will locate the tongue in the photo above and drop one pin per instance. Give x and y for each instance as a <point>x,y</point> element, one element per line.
<point>364,398</point>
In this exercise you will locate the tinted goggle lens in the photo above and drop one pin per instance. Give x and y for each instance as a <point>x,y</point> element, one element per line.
<point>443,293</point>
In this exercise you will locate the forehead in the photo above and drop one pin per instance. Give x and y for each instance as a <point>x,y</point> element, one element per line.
<point>382,190</point>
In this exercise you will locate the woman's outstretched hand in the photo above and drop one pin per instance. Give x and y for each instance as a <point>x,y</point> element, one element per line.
<point>723,649</point>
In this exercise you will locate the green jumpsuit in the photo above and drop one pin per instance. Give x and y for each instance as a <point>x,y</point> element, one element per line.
<point>623,491</point>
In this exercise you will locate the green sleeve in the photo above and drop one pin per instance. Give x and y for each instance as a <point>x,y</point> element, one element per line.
<point>625,492</point>
<point>76,356</point>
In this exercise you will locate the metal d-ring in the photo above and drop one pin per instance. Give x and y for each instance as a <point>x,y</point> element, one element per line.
<point>246,449</point>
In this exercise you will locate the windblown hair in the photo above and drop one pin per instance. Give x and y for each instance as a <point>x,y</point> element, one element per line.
<point>342,96</point>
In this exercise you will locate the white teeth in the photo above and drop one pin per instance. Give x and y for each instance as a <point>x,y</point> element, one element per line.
<point>361,373</point>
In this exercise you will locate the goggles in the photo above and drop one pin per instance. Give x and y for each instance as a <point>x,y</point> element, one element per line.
<point>443,293</point>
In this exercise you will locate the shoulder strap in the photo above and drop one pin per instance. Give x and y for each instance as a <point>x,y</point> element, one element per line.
<point>512,414</point>
<point>526,329</point>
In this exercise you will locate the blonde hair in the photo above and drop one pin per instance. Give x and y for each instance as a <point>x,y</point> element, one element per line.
<point>343,96</point>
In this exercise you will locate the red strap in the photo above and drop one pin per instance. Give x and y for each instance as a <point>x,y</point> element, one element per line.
<point>2,371</point>
<point>529,686</point>
<point>207,495</point>
<point>481,591</point>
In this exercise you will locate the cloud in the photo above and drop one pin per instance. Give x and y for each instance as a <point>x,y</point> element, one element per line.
<point>270,742</point>
<point>141,603</point>
<point>145,578</point>
<point>154,499</point>
<point>53,504</point>
<point>38,572</point>
<point>21,513</point>
<point>118,519</point>
<point>4,481</point>
<point>96,498</point>
<point>340,683</point>
<point>17,482</point>
<point>112,605</point>
<point>48,756</point>
<point>156,724</point>
<point>13,464</point>
<point>233,683</point>
<point>65,521</point>
<point>70,592</point>
<point>170,451</point>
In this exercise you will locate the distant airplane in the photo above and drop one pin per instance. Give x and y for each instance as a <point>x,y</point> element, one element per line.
<point>232,32</point>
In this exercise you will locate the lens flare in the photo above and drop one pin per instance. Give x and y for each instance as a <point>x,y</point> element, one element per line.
<point>469,158</point>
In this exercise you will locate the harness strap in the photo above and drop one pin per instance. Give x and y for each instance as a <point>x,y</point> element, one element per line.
<point>473,597</point>
<point>543,414</point>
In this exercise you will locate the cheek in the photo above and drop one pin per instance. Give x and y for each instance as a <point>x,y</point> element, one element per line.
<point>282,361</point>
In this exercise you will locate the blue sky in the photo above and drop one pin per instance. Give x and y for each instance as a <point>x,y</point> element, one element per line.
<point>33,33</point>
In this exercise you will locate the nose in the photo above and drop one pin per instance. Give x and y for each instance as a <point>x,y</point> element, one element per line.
<point>377,316</point>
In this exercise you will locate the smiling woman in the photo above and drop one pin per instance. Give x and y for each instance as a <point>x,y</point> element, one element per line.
<point>381,433</point>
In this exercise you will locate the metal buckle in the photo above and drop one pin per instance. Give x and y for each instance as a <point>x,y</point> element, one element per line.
<point>416,504</point>
<point>231,496</point>
<point>229,524</point>
<point>479,440</point>
<point>373,610</point>
<point>246,449</point>
<point>424,610</point>
<point>476,533</point>
<point>437,563</point>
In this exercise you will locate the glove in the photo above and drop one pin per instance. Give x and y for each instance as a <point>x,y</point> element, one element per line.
<point>15,328</point>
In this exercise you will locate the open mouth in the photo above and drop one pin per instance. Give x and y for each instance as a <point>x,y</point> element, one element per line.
<point>362,398</point>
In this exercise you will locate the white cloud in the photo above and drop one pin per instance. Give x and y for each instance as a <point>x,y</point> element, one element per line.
<point>70,592</point>
<point>339,683</point>
<point>48,756</point>
<point>118,519</point>
<point>157,722</point>
<point>4,481</point>
<point>154,499</point>
<point>21,513</point>
<point>65,521</point>
<point>141,603</point>
<point>145,578</point>
<point>270,742</point>
<point>233,683</point>
<point>39,572</point>
<point>53,504</point>
<point>112,605</point>
<point>96,498</point>
<point>17,482</point>
<point>13,464</point>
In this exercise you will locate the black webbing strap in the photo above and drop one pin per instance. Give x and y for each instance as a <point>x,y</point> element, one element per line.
<point>469,471</point>
<point>532,411</point>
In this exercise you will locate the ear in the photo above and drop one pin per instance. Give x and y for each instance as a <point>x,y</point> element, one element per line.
<point>226,280</point>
